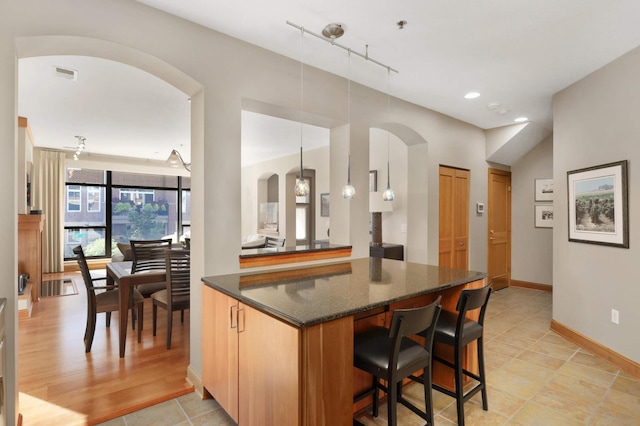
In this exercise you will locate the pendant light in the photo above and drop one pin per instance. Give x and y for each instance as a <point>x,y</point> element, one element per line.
<point>302,186</point>
<point>388,195</point>
<point>348,191</point>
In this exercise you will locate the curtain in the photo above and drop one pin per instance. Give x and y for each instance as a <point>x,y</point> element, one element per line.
<point>49,197</point>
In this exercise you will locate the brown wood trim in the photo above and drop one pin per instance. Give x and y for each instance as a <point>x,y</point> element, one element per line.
<point>533,286</point>
<point>23,122</point>
<point>94,264</point>
<point>307,273</point>
<point>630,367</point>
<point>268,260</point>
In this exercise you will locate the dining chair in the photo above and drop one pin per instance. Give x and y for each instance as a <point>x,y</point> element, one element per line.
<point>103,299</point>
<point>148,255</point>
<point>176,296</point>
<point>389,354</point>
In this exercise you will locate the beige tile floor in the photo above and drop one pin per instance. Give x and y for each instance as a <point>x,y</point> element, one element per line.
<point>534,378</point>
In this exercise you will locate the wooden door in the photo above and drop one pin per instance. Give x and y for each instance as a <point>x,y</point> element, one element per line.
<point>220,349</point>
<point>499,222</point>
<point>454,218</point>
<point>269,373</point>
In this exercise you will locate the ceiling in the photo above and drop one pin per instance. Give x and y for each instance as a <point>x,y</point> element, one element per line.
<point>515,53</point>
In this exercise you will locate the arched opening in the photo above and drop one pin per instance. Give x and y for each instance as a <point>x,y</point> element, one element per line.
<point>81,46</point>
<point>406,153</point>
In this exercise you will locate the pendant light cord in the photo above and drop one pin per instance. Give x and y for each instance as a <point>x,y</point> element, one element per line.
<point>349,114</point>
<point>301,90</point>
<point>389,121</point>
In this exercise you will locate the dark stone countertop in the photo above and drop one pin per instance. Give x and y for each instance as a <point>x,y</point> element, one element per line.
<point>306,296</point>
<point>275,251</point>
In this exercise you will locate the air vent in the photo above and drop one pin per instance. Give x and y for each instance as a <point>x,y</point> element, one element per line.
<point>67,73</point>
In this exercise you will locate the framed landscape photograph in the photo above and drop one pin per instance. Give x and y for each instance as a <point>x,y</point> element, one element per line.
<point>544,216</point>
<point>324,205</point>
<point>598,206</point>
<point>544,190</point>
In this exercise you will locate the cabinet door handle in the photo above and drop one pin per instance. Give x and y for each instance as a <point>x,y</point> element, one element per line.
<point>231,322</point>
<point>240,311</point>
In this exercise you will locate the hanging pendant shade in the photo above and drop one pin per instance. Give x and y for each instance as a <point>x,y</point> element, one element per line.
<point>388,195</point>
<point>348,191</point>
<point>302,186</point>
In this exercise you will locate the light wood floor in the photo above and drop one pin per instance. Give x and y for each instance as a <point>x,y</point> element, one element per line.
<point>60,384</point>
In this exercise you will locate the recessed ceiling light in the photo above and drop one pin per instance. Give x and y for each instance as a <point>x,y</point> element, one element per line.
<point>521,119</point>
<point>471,95</point>
<point>493,105</point>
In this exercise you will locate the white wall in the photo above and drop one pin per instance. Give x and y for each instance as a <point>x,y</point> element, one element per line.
<point>531,247</point>
<point>190,57</point>
<point>595,122</point>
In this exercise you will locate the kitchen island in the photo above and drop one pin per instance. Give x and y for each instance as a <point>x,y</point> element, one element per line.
<point>278,345</point>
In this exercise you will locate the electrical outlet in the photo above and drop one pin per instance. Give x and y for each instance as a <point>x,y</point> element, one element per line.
<point>615,316</point>
<point>403,227</point>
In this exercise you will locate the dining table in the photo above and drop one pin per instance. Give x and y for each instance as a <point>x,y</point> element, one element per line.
<point>119,273</point>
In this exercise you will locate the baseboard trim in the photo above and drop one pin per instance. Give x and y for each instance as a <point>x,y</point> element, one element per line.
<point>195,380</point>
<point>534,286</point>
<point>628,366</point>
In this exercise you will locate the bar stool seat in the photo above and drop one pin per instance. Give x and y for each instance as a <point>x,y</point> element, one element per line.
<point>388,354</point>
<point>456,330</point>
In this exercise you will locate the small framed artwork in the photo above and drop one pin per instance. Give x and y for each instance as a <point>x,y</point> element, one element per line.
<point>598,205</point>
<point>324,205</point>
<point>373,180</point>
<point>544,216</point>
<point>544,190</point>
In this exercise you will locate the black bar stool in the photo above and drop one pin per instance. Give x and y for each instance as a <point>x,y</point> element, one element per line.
<point>454,329</point>
<point>388,354</point>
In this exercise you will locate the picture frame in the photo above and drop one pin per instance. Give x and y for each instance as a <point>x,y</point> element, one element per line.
<point>373,180</point>
<point>598,205</point>
<point>543,190</point>
<point>543,215</point>
<point>324,205</point>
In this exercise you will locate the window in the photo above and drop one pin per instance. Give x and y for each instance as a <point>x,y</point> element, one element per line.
<point>73,198</point>
<point>93,199</point>
<point>301,222</point>
<point>121,206</point>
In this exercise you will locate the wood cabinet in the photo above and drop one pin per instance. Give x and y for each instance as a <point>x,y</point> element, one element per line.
<point>264,371</point>
<point>220,349</point>
<point>454,218</point>
<point>30,250</point>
